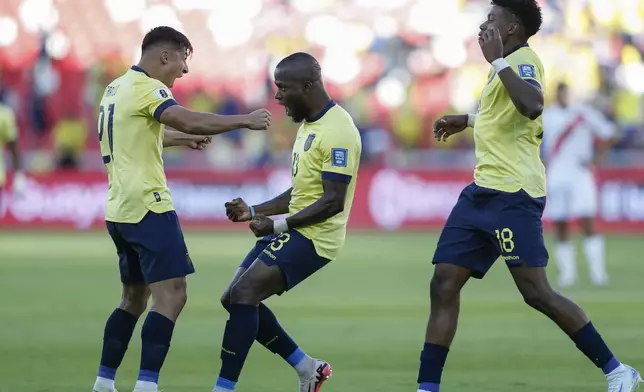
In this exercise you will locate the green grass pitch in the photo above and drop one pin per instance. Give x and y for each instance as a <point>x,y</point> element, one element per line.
<point>365,313</point>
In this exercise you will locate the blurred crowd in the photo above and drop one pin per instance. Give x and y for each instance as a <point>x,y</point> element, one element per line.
<point>396,65</point>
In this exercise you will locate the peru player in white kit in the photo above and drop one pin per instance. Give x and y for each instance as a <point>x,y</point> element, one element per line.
<point>570,135</point>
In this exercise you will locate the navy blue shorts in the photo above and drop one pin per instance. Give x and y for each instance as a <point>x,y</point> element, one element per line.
<point>486,224</point>
<point>152,250</point>
<point>293,253</point>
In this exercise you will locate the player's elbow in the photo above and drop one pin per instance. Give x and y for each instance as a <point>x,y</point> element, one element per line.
<point>532,111</point>
<point>334,206</point>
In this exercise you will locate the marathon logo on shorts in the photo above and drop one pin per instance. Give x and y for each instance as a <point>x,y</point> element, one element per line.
<point>309,142</point>
<point>527,71</point>
<point>339,157</point>
<point>270,254</point>
<point>157,197</point>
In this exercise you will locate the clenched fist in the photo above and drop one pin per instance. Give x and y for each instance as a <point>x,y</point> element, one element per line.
<point>259,120</point>
<point>237,210</point>
<point>199,142</point>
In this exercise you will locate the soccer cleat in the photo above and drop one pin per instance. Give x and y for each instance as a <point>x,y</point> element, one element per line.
<point>320,375</point>
<point>623,379</point>
<point>103,390</point>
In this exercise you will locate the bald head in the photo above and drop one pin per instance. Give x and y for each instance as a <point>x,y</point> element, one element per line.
<point>299,67</point>
<point>300,90</point>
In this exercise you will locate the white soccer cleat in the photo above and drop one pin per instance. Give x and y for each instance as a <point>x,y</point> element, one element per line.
<point>98,389</point>
<point>623,379</point>
<point>314,382</point>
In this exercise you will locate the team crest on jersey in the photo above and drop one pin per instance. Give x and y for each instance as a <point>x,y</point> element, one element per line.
<point>309,142</point>
<point>527,71</point>
<point>162,93</point>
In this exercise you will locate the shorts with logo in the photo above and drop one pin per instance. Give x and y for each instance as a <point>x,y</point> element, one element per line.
<point>486,223</point>
<point>292,252</point>
<point>152,250</point>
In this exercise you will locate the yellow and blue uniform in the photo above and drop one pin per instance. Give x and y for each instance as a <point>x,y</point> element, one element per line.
<point>139,211</point>
<point>8,133</point>
<point>500,213</point>
<point>327,148</point>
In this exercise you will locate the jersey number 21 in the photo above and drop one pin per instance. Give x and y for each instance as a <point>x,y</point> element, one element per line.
<point>108,155</point>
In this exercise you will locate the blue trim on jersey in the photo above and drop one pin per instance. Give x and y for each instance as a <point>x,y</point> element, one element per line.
<point>139,69</point>
<point>533,82</point>
<point>515,49</point>
<point>336,177</point>
<point>322,113</point>
<point>161,108</point>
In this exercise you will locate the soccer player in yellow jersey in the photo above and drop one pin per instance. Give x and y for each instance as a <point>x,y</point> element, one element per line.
<point>9,139</point>
<point>325,161</point>
<point>153,257</point>
<point>499,215</point>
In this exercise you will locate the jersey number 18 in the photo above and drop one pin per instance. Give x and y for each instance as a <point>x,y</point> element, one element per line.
<point>110,131</point>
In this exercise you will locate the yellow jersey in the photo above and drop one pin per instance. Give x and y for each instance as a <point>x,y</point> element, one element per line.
<point>326,148</point>
<point>8,133</point>
<point>506,142</point>
<point>131,139</point>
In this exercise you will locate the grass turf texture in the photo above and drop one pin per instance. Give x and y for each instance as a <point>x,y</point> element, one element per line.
<point>365,313</point>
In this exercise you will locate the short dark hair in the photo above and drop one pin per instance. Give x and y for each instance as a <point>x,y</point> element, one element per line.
<point>527,11</point>
<point>166,34</point>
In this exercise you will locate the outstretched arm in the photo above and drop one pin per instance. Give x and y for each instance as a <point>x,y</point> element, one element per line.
<point>198,123</point>
<point>174,138</point>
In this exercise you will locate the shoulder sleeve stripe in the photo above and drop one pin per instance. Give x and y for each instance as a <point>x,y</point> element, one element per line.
<point>533,82</point>
<point>161,108</point>
<point>336,177</point>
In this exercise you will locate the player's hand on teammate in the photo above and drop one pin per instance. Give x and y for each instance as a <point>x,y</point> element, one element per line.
<point>447,126</point>
<point>237,210</point>
<point>491,44</point>
<point>200,142</point>
<point>262,226</point>
<point>259,120</point>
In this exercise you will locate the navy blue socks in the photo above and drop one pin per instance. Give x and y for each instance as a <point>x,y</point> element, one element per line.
<point>590,342</point>
<point>155,336</point>
<point>432,361</point>
<point>239,335</point>
<point>116,337</point>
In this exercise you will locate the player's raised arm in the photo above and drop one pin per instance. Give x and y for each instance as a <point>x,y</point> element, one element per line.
<point>198,123</point>
<point>523,88</point>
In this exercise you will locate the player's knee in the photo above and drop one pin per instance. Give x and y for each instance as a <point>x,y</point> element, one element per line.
<point>171,295</point>
<point>225,299</point>
<point>135,299</point>
<point>443,289</point>
<point>242,293</point>
<point>538,299</point>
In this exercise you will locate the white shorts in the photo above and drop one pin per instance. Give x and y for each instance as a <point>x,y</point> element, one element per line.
<point>571,196</point>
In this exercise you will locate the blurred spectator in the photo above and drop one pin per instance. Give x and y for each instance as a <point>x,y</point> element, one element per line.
<point>393,70</point>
